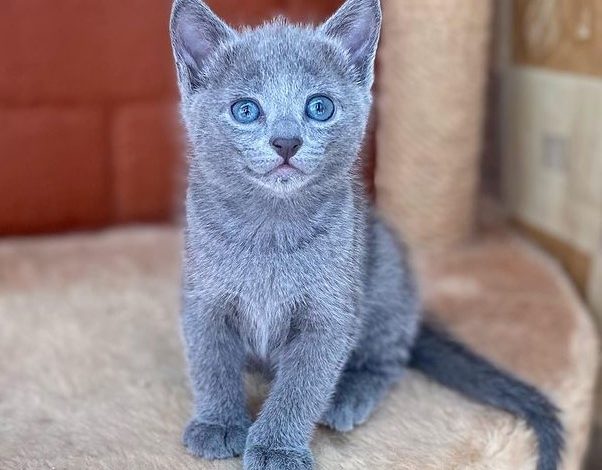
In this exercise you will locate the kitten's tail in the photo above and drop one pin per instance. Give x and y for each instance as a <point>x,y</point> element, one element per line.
<point>453,365</point>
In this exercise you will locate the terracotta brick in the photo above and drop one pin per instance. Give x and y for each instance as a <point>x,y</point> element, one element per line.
<point>147,150</point>
<point>84,50</point>
<point>257,11</point>
<point>368,154</point>
<point>254,12</point>
<point>66,159</point>
<point>245,12</point>
<point>311,10</point>
<point>53,169</point>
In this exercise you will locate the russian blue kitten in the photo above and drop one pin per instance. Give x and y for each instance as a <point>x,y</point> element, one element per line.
<point>288,270</point>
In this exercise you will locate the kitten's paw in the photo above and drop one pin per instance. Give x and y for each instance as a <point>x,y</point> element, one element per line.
<point>214,441</point>
<point>264,458</point>
<point>356,397</point>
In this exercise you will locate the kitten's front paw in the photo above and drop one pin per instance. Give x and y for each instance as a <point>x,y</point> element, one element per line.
<point>264,458</point>
<point>214,441</point>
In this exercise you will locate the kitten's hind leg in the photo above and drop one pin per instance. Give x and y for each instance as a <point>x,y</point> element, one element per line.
<point>357,394</point>
<point>391,313</point>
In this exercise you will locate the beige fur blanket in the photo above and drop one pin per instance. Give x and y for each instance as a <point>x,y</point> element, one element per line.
<point>92,375</point>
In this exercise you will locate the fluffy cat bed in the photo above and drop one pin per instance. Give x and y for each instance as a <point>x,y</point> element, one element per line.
<point>92,375</point>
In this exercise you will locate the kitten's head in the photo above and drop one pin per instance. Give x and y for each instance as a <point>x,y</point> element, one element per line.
<point>277,107</point>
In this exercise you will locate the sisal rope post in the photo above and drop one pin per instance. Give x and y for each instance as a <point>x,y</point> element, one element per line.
<point>432,69</point>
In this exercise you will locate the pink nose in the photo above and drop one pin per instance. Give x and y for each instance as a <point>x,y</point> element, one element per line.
<point>285,147</point>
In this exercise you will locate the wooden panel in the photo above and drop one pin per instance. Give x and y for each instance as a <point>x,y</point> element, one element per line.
<point>552,166</point>
<point>552,161</point>
<point>559,34</point>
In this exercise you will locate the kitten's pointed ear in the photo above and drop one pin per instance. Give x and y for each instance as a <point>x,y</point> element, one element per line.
<point>356,25</point>
<point>196,33</point>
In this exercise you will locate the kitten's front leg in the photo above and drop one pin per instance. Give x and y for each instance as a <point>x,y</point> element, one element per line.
<point>220,424</point>
<point>306,376</point>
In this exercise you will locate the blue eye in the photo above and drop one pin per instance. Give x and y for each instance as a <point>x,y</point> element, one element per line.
<point>319,108</point>
<point>246,111</point>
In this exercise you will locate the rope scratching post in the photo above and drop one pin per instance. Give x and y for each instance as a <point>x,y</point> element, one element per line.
<point>429,105</point>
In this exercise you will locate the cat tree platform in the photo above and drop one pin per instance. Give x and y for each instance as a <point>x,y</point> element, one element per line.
<point>92,374</point>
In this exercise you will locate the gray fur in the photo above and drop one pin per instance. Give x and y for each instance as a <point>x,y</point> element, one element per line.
<point>292,274</point>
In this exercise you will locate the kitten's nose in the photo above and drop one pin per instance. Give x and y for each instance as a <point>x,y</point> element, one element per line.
<point>285,147</point>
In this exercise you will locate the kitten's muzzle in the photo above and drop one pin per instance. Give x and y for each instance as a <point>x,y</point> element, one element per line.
<point>286,147</point>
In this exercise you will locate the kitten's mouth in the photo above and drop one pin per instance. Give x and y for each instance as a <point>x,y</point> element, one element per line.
<point>282,179</point>
<point>284,171</point>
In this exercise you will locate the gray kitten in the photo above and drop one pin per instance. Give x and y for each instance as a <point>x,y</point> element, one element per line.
<point>287,269</point>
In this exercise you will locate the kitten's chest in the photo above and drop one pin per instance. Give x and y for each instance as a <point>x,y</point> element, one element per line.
<point>263,277</point>
<point>263,324</point>
<point>268,291</point>
<point>268,277</point>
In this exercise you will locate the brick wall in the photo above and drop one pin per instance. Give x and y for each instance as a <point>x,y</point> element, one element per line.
<point>88,127</point>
